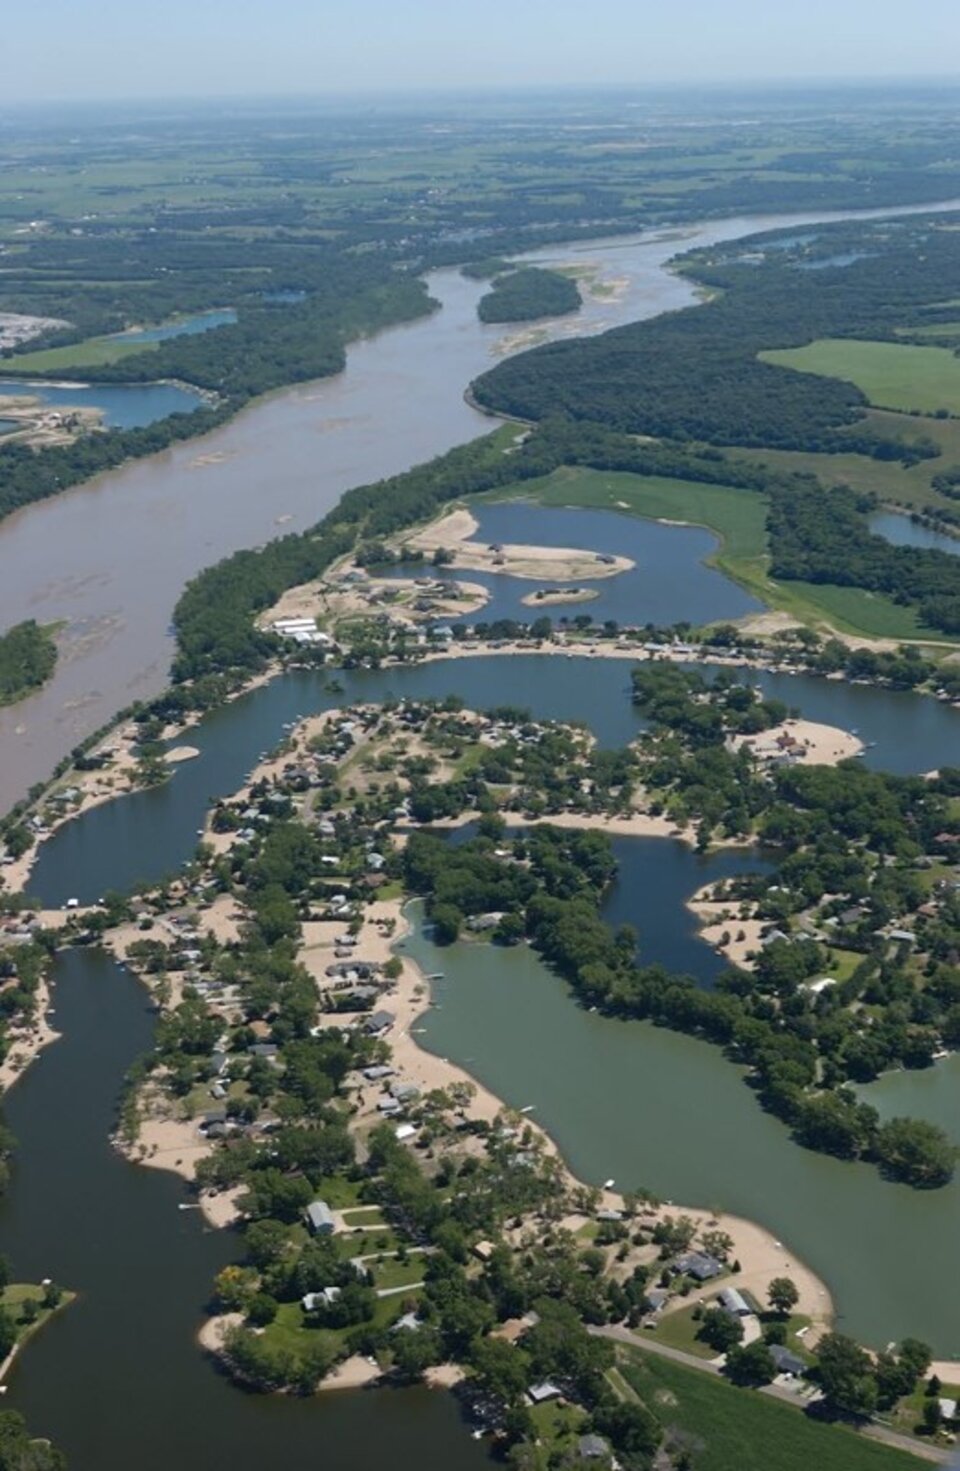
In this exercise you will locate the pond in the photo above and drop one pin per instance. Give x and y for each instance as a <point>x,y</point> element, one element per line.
<point>123,405</point>
<point>669,583</point>
<point>903,531</point>
<point>180,327</point>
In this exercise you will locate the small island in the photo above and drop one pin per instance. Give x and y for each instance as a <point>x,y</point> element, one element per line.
<point>28,657</point>
<point>528,294</point>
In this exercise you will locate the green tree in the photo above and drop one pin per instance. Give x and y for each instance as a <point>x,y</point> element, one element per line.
<point>782,1295</point>
<point>720,1330</point>
<point>751,1363</point>
<point>846,1375</point>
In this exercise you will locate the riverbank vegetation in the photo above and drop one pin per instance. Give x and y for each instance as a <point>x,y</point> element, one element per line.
<point>529,293</point>
<point>28,657</point>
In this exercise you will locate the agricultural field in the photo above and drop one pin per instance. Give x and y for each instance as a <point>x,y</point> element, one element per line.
<point>95,352</point>
<point>741,1430</point>
<point>893,375</point>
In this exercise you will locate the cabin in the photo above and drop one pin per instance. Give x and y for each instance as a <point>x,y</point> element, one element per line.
<point>786,1361</point>
<point>592,1448</point>
<point>319,1218</point>
<point>734,1303</point>
<point>541,1394</point>
<point>699,1265</point>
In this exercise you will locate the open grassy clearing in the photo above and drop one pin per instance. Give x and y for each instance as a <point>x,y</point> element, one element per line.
<point>740,1430</point>
<point>891,481</point>
<point>892,375</point>
<point>739,519</point>
<point>96,352</point>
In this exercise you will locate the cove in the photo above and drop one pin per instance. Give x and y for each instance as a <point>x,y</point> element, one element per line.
<point>653,1108</point>
<point>124,405</point>
<point>141,838</point>
<point>669,583</point>
<point>131,1385</point>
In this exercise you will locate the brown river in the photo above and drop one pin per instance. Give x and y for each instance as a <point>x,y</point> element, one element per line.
<point>109,559</point>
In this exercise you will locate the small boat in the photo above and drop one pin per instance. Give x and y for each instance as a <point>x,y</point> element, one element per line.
<point>436,975</point>
<point>608,1184</point>
<point>529,1108</point>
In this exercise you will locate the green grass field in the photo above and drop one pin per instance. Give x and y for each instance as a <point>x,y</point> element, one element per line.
<point>892,375</point>
<point>95,352</point>
<point>739,519</point>
<point>741,1430</point>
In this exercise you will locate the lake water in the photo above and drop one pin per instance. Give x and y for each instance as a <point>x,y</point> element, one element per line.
<point>105,848</point>
<point>182,327</point>
<point>117,1378</point>
<point>902,531</point>
<point>124,405</point>
<point>109,559</point>
<point>652,1108</point>
<point>668,584</point>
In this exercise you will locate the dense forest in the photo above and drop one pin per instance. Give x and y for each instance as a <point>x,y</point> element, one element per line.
<point>527,294</point>
<point>816,539</point>
<point>695,374</point>
<point>28,655</point>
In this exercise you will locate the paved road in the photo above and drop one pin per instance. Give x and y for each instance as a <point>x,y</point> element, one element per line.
<point>780,1392</point>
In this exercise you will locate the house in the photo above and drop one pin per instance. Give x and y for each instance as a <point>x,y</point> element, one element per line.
<point>404,1132</point>
<point>541,1394</point>
<point>731,1299</point>
<point>655,1299</point>
<point>312,1301</point>
<point>406,1092</point>
<point>609,1214</point>
<point>319,1218</point>
<point>699,1265</point>
<point>374,1074</point>
<point>380,1021</point>
<point>483,1250</point>
<point>409,1323</point>
<point>948,1408</point>
<point>786,1360</point>
<point>592,1448</point>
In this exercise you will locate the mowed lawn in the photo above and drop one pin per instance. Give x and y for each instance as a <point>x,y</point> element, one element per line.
<point>892,375</point>
<point>741,1430</point>
<point>95,352</point>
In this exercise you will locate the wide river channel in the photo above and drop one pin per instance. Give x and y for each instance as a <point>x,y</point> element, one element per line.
<point>110,559</point>
<point>118,1376</point>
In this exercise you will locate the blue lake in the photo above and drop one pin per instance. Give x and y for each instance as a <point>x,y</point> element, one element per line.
<point>669,583</point>
<point>124,405</point>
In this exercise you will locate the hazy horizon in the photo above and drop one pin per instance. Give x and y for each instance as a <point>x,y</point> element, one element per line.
<point>105,50</point>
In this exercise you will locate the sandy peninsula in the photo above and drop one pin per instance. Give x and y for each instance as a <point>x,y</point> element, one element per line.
<point>454,533</point>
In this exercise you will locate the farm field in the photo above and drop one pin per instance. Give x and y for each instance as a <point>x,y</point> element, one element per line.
<point>892,375</point>
<point>740,1430</point>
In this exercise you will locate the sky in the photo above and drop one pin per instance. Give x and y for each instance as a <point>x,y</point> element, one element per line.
<point>120,49</point>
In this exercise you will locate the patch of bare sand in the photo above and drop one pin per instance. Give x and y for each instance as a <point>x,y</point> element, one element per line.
<point>453,533</point>
<point>353,1373</point>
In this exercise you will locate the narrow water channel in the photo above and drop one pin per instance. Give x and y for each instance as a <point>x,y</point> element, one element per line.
<point>148,835</point>
<point>116,1379</point>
